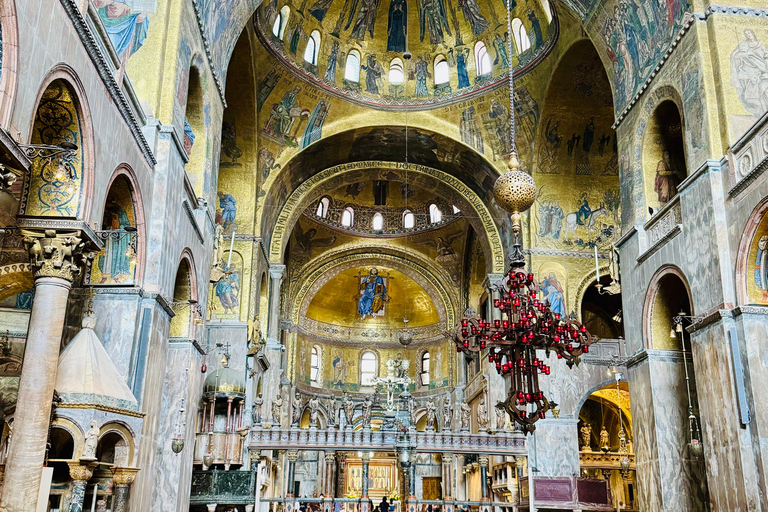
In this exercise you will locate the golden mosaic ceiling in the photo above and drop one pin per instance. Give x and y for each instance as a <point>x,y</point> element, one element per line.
<point>443,37</point>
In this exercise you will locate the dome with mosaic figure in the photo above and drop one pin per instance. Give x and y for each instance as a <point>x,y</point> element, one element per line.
<point>406,53</point>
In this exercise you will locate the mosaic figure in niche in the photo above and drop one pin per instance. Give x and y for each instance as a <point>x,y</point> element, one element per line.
<point>473,16</point>
<point>330,69</point>
<point>314,130</point>
<point>374,72</point>
<point>229,142</point>
<point>553,293</point>
<point>339,369</point>
<point>397,26</point>
<point>227,290</point>
<point>761,266</point>
<point>432,21</point>
<point>373,295</point>
<point>667,178</point>
<point>502,54</point>
<point>749,73</point>
<point>115,263</point>
<point>126,23</point>
<point>422,72</point>
<point>461,65</point>
<point>536,29</point>
<point>228,205</point>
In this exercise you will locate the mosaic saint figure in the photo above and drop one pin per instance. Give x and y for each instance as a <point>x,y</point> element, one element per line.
<point>116,261</point>
<point>330,70</point>
<point>228,289</point>
<point>397,26</point>
<point>749,73</point>
<point>432,20</point>
<point>536,29</point>
<point>374,72</point>
<point>372,296</point>
<point>127,30</point>
<point>365,20</point>
<point>472,14</point>
<point>667,178</point>
<point>470,132</point>
<point>283,115</point>
<point>502,53</point>
<point>461,67</point>
<point>553,292</point>
<point>584,211</point>
<point>339,369</point>
<point>314,129</point>
<point>319,9</point>
<point>228,206</point>
<point>422,72</point>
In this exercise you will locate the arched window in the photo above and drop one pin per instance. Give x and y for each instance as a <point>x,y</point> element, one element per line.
<point>281,21</point>
<point>314,365</point>
<point>396,74</point>
<point>313,48</point>
<point>424,369</point>
<point>368,368</point>
<point>442,71</point>
<point>435,215</point>
<point>409,220</point>
<point>322,208</point>
<point>348,217</point>
<point>482,59</point>
<point>521,36</point>
<point>352,67</point>
<point>547,9</point>
<point>378,222</point>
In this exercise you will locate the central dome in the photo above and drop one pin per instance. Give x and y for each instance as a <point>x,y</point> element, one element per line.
<point>359,49</point>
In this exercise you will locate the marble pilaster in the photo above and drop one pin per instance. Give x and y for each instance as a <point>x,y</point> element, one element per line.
<point>562,433</point>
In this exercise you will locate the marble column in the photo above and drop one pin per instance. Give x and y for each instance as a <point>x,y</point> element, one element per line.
<point>276,273</point>
<point>292,456</point>
<point>412,479</point>
<point>330,458</point>
<point>366,459</point>
<point>341,469</point>
<point>54,257</point>
<point>122,478</point>
<point>447,476</point>
<point>80,472</point>
<point>484,477</point>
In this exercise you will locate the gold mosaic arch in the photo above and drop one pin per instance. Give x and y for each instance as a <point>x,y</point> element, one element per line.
<point>295,205</point>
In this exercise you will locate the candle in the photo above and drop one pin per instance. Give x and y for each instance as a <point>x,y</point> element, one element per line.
<point>597,268</point>
<point>232,246</point>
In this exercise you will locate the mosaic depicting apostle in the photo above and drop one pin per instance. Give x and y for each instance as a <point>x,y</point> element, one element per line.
<point>373,295</point>
<point>126,23</point>
<point>473,16</point>
<point>365,19</point>
<point>553,292</point>
<point>397,26</point>
<point>115,263</point>
<point>227,290</point>
<point>284,114</point>
<point>422,73</point>
<point>749,73</point>
<point>432,20</point>
<point>228,206</point>
<point>667,178</point>
<point>373,73</point>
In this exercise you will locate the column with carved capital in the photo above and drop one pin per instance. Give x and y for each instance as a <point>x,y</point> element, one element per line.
<point>292,457</point>
<point>330,458</point>
<point>80,472</point>
<point>55,257</point>
<point>122,478</point>
<point>447,476</point>
<point>341,473</point>
<point>483,460</point>
<point>366,458</point>
<point>276,273</point>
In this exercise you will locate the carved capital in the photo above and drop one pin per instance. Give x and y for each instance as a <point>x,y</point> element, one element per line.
<point>81,471</point>
<point>124,476</point>
<point>55,253</point>
<point>330,457</point>
<point>483,461</point>
<point>293,455</point>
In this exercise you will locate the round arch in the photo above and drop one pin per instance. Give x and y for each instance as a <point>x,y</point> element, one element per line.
<point>747,272</point>
<point>124,452</point>
<point>10,51</point>
<point>654,287</point>
<point>71,80</point>
<point>305,194</point>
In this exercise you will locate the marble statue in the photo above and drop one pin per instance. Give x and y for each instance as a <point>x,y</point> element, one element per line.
<point>466,412</point>
<point>256,410</point>
<point>333,411</point>
<point>297,408</point>
<point>586,435</point>
<point>349,409</point>
<point>397,367</point>
<point>314,408</point>
<point>605,439</point>
<point>482,415</point>
<point>447,412</point>
<point>91,441</point>
<point>431,418</point>
<point>277,405</point>
<point>367,406</point>
<point>501,418</point>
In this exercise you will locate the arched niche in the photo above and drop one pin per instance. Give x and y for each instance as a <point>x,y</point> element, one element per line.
<point>116,445</point>
<point>118,262</point>
<point>59,186</point>
<point>62,448</point>
<point>752,258</point>
<point>576,161</point>
<point>668,295</point>
<point>195,134</point>
<point>663,154</point>
<point>601,311</point>
<point>183,292</point>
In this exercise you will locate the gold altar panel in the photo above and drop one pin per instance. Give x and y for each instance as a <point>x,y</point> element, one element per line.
<point>337,302</point>
<point>382,478</point>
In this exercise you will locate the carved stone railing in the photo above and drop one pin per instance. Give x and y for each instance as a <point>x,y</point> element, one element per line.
<point>601,460</point>
<point>664,225</point>
<point>501,443</point>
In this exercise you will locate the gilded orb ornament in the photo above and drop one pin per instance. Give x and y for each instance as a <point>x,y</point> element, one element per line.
<point>515,191</point>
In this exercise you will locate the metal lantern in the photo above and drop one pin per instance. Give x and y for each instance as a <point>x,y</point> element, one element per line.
<point>177,445</point>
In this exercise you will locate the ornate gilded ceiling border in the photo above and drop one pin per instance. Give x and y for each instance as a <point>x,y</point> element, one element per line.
<point>313,282</point>
<point>296,204</point>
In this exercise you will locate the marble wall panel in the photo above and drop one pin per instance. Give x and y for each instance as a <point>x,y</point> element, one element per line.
<point>117,318</point>
<point>643,415</point>
<point>554,447</point>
